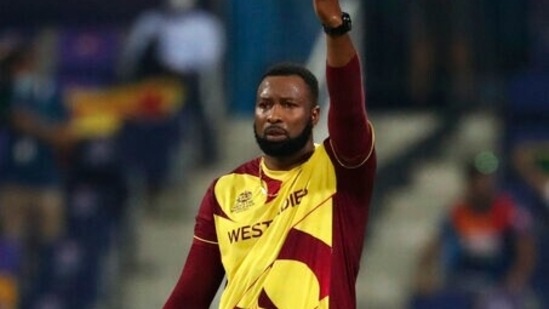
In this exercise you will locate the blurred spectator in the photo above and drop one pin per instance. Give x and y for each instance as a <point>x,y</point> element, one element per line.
<point>178,38</point>
<point>9,249</point>
<point>484,253</point>
<point>441,52</point>
<point>461,50</point>
<point>182,41</point>
<point>31,199</point>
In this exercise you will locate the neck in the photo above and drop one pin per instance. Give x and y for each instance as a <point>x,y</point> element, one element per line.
<point>289,162</point>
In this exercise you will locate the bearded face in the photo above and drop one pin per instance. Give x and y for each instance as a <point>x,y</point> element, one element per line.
<point>284,145</point>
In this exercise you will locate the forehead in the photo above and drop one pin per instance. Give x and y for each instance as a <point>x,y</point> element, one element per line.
<point>291,86</point>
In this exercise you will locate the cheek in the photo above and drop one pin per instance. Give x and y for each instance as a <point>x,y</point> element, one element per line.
<point>260,115</point>
<point>259,122</point>
<point>297,126</point>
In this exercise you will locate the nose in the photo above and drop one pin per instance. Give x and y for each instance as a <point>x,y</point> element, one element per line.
<point>274,114</point>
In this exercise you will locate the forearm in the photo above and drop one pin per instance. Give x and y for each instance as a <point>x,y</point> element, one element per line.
<point>340,50</point>
<point>350,134</point>
<point>200,279</point>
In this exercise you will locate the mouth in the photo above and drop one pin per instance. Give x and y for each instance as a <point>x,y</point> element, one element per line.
<point>275,134</point>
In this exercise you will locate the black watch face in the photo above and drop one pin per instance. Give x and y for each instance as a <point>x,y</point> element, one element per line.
<point>342,29</point>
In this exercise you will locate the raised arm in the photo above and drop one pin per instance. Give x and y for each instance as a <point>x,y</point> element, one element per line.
<point>350,134</point>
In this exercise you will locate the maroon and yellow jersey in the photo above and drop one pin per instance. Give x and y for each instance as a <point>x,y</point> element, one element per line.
<point>289,239</point>
<point>283,234</point>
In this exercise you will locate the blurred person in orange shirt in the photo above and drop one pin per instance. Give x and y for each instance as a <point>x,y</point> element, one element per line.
<point>484,250</point>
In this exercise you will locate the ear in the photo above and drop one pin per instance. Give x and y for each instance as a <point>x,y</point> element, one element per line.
<point>315,114</point>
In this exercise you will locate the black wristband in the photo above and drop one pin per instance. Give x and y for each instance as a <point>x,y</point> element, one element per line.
<point>345,27</point>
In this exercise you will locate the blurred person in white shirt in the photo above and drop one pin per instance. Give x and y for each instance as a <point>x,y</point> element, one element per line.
<point>179,39</point>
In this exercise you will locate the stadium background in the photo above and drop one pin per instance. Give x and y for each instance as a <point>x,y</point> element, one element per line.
<point>422,143</point>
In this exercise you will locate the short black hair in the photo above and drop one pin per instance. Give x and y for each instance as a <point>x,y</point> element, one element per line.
<point>288,69</point>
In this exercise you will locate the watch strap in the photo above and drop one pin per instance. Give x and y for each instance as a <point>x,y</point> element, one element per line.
<point>340,30</point>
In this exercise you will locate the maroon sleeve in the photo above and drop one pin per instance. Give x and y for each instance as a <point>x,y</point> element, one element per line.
<point>203,270</point>
<point>200,279</point>
<point>350,134</point>
<point>204,228</point>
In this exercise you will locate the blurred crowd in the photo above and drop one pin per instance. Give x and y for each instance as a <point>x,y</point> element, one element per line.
<point>95,116</point>
<point>490,248</point>
<point>450,54</point>
<point>90,114</point>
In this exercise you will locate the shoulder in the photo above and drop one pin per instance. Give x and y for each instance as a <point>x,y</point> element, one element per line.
<point>505,205</point>
<point>149,18</point>
<point>204,15</point>
<point>512,213</point>
<point>249,167</point>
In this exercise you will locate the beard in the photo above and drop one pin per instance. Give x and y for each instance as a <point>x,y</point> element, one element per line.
<point>288,147</point>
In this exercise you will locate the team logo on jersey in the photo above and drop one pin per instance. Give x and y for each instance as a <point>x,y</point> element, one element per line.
<point>243,202</point>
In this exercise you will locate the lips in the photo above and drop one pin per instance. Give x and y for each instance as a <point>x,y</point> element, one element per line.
<point>275,131</point>
<point>276,134</point>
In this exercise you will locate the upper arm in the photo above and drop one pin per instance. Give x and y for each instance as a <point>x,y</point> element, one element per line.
<point>358,160</point>
<point>351,134</point>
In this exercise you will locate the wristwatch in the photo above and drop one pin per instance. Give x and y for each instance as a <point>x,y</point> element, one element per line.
<point>340,30</point>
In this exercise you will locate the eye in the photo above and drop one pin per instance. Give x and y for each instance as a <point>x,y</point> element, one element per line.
<point>263,104</point>
<point>288,104</point>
